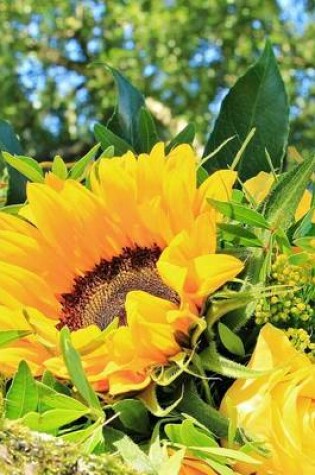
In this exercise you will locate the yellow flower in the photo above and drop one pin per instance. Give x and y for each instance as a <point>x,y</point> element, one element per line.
<point>277,408</point>
<point>258,188</point>
<point>126,265</point>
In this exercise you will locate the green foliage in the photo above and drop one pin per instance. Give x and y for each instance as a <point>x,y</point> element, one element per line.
<point>184,56</point>
<point>258,99</point>
<point>78,377</point>
<point>17,182</point>
<point>22,396</point>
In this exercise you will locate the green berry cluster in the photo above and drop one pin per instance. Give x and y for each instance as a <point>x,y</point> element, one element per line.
<point>293,308</point>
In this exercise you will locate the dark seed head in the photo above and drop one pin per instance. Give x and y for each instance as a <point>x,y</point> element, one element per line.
<point>99,296</point>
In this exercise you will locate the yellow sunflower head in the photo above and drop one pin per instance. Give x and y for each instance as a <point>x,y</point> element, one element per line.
<point>126,264</point>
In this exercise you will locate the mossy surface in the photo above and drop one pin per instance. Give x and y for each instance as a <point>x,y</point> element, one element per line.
<point>26,453</point>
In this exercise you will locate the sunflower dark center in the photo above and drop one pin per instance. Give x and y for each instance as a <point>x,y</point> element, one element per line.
<point>99,296</point>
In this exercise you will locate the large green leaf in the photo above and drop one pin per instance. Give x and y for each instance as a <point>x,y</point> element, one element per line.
<point>257,100</point>
<point>22,396</point>
<point>130,102</point>
<point>17,182</point>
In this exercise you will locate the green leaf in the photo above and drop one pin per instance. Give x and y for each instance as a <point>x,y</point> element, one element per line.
<point>257,100</point>
<point>59,168</point>
<point>22,396</point>
<point>133,455</point>
<point>82,435</point>
<point>187,434</point>
<point>186,135</point>
<point>49,380</point>
<point>8,336</point>
<point>193,405</point>
<point>74,366</point>
<point>25,165</point>
<point>245,237</point>
<point>56,400</point>
<point>133,415</point>
<point>78,170</point>
<point>202,175</point>
<point>17,182</point>
<point>230,340</point>
<point>148,136</point>
<point>285,196</point>
<point>130,102</point>
<point>107,138</point>
<point>240,213</point>
<point>213,361</point>
<point>51,420</point>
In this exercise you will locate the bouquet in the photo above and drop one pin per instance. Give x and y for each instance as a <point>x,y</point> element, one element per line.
<point>157,304</point>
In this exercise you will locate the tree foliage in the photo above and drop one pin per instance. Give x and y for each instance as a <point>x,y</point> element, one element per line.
<point>182,56</point>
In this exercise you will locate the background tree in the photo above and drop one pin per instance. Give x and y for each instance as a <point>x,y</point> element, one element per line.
<point>183,55</point>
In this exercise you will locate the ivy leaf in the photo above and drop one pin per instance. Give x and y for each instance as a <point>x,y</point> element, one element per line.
<point>17,182</point>
<point>130,102</point>
<point>74,366</point>
<point>257,100</point>
<point>22,396</point>
<point>230,340</point>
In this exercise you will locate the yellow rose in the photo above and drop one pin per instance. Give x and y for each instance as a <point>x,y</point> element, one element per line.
<point>258,188</point>
<point>278,407</point>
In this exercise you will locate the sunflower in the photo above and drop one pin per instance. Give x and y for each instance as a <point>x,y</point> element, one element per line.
<point>125,263</point>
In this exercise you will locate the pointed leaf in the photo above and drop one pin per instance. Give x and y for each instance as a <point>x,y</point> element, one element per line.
<point>230,340</point>
<point>22,396</point>
<point>59,168</point>
<point>74,366</point>
<point>17,182</point>
<point>130,102</point>
<point>148,136</point>
<point>79,168</point>
<point>25,165</point>
<point>134,456</point>
<point>186,135</point>
<point>286,194</point>
<point>107,138</point>
<point>258,99</point>
<point>240,213</point>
